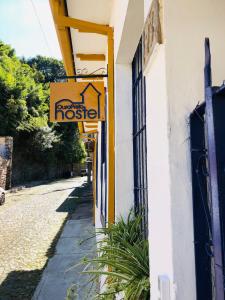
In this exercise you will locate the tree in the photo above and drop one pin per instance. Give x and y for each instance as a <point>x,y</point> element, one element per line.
<point>23,103</point>
<point>24,109</point>
<point>71,149</point>
<point>50,68</point>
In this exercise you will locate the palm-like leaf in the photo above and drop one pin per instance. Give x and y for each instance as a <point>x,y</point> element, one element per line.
<point>123,258</point>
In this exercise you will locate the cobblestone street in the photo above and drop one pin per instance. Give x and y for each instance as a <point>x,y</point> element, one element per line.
<point>30,223</point>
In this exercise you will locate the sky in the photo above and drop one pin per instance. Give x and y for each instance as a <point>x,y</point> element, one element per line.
<point>19,27</point>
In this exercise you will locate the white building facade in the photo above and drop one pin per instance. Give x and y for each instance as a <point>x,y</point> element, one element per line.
<point>152,107</point>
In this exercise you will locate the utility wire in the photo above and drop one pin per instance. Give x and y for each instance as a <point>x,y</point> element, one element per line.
<point>41,27</point>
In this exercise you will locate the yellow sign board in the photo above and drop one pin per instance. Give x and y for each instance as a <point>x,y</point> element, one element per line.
<point>77,101</point>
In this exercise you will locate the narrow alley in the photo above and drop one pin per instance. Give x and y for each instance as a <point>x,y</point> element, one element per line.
<point>31,222</point>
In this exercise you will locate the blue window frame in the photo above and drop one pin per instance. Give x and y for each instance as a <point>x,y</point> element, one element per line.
<point>139,139</point>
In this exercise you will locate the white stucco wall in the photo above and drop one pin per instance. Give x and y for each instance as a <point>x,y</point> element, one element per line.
<point>186,24</point>
<point>117,20</point>
<point>124,196</point>
<point>174,85</point>
<point>160,228</point>
<point>127,19</point>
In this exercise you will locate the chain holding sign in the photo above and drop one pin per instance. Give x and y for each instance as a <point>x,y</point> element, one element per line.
<point>77,101</point>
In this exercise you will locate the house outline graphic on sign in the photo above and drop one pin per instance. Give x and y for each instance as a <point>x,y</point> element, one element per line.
<point>71,105</point>
<point>90,85</point>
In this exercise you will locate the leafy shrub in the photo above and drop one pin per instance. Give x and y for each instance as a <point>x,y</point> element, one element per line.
<point>123,258</point>
<point>24,114</point>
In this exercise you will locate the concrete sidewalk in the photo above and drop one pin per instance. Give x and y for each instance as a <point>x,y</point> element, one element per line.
<point>60,273</point>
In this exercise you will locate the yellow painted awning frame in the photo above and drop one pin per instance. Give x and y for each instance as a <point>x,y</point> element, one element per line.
<point>63,23</point>
<point>91,57</point>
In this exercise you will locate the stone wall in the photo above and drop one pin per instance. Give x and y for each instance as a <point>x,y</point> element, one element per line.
<point>25,171</point>
<point>6,149</point>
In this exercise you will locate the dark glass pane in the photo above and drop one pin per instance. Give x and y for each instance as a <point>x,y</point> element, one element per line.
<point>139,140</point>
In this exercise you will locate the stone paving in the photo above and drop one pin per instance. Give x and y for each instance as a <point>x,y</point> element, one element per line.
<point>31,221</point>
<point>64,269</point>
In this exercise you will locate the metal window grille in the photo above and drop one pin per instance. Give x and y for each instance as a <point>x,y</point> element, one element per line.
<point>103,173</point>
<point>139,140</point>
<point>201,207</point>
<point>207,129</point>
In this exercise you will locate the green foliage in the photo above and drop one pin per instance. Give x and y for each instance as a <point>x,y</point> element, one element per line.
<point>45,138</point>
<point>22,99</point>
<point>24,109</point>
<point>50,68</point>
<point>123,258</point>
<point>129,230</point>
<point>71,148</point>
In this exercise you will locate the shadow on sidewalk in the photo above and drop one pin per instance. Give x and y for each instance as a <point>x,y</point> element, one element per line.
<point>77,240</point>
<point>21,284</point>
<point>79,203</point>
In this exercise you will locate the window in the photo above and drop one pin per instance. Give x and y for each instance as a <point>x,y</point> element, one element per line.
<point>103,173</point>
<point>139,140</point>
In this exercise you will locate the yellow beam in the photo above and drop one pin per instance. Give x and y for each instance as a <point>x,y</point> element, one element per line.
<point>91,57</point>
<point>58,9</point>
<point>91,131</point>
<point>62,24</point>
<point>91,126</point>
<point>63,34</point>
<point>81,127</point>
<point>111,125</point>
<point>63,21</point>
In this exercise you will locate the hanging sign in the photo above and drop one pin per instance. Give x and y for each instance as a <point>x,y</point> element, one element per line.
<point>77,101</point>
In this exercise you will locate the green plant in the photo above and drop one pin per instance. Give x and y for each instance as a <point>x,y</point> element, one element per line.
<point>24,115</point>
<point>123,259</point>
<point>128,230</point>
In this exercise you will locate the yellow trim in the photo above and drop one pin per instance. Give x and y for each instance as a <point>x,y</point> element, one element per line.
<point>63,21</point>
<point>91,131</point>
<point>85,31</point>
<point>62,24</point>
<point>91,126</point>
<point>81,127</point>
<point>91,57</point>
<point>63,34</point>
<point>58,8</point>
